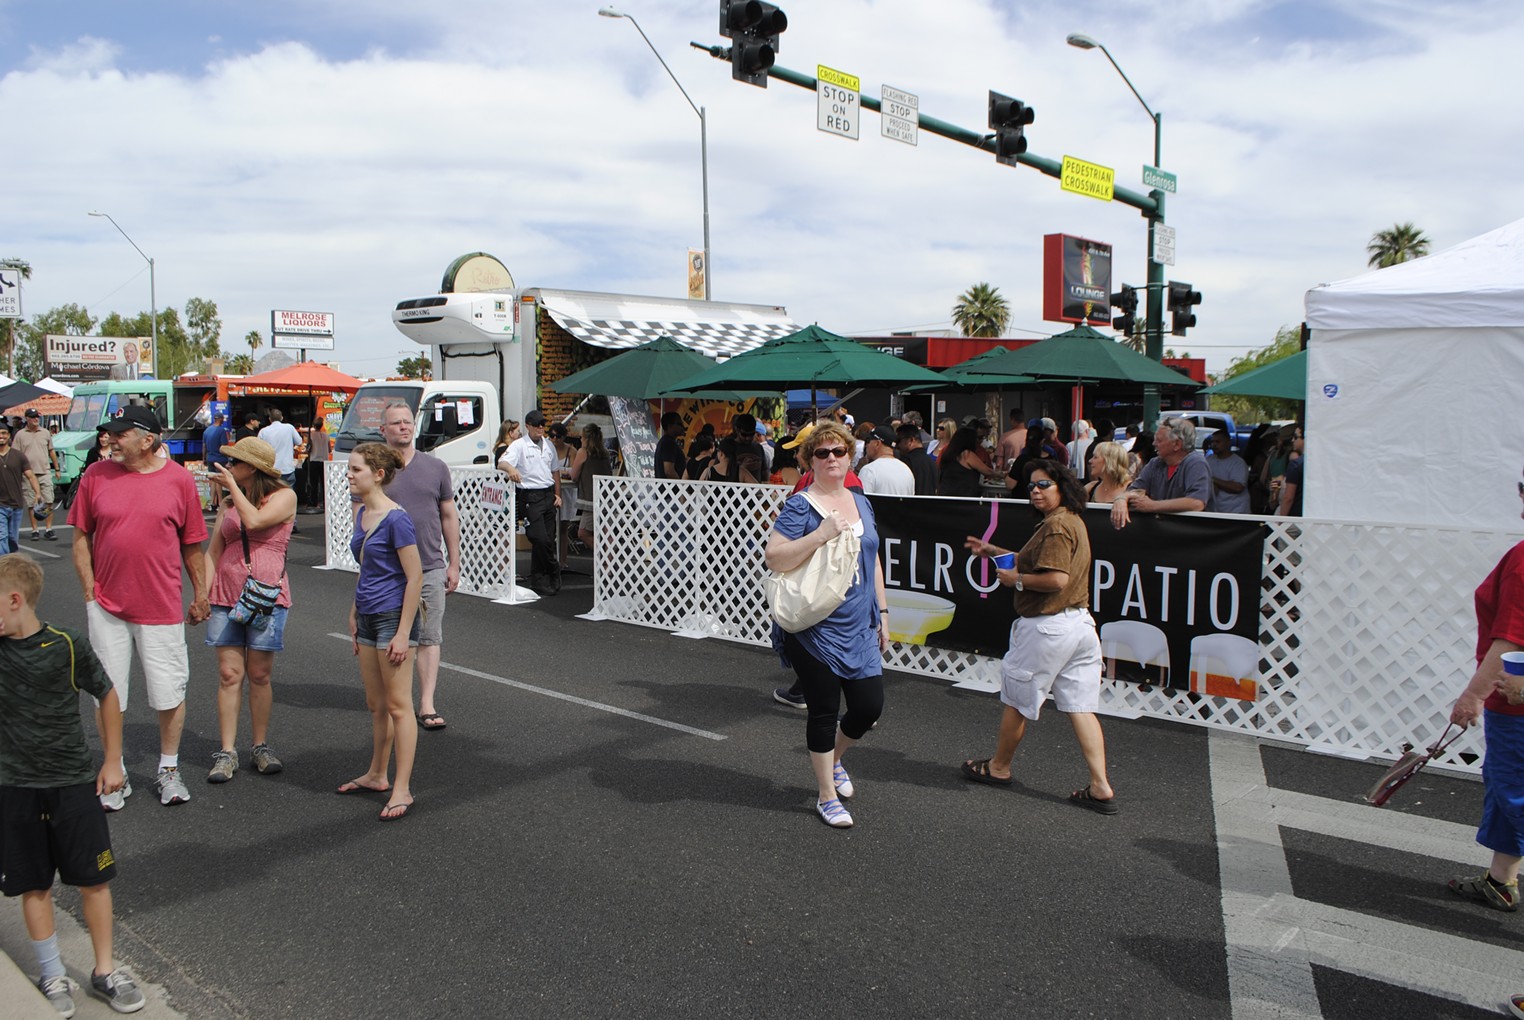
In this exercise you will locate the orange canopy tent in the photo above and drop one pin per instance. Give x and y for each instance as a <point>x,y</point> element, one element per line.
<point>53,403</point>
<point>309,375</point>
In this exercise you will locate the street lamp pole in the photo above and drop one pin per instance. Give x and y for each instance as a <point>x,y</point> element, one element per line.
<point>609,12</point>
<point>153,302</point>
<point>1154,327</point>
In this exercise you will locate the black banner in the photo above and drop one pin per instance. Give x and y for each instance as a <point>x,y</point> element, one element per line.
<point>637,439</point>
<point>1182,591</point>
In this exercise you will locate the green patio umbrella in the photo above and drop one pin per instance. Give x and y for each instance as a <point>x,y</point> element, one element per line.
<point>1083,355</point>
<point>1285,379</point>
<point>812,357</point>
<point>971,374</point>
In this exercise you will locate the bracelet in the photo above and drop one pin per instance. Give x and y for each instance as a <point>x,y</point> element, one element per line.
<point>883,610</point>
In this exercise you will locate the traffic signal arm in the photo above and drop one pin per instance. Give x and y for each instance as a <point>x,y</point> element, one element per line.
<point>976,139</point>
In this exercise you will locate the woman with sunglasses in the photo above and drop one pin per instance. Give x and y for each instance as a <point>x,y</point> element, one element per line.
<point>1054,647</point>
<point>843,654</point>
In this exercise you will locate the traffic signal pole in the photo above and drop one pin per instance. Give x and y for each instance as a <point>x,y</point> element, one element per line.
<point>1150,205</point>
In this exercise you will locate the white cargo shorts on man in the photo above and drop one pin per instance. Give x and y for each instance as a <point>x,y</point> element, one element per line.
<point>1060,654</point>
<point>161,651</point>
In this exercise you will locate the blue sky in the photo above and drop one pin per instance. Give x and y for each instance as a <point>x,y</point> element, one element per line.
<point>336,155</point>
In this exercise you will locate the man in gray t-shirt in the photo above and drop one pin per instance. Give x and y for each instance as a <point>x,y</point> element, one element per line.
<point>1176,481</point>
<point>424,490</point>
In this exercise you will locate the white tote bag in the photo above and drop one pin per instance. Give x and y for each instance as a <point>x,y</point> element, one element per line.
<point>802,597</point>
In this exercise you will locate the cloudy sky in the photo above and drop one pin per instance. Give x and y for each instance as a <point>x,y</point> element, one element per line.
<point>333,155</point>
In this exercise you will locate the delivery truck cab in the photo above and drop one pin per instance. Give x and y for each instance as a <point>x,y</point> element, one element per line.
<point>457,421</point>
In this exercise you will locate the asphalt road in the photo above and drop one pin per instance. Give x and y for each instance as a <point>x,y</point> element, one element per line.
<point>565,860</point>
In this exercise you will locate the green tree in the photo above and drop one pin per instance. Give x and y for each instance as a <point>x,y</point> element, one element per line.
<point>175,354</point>
<point>1402,242</point>
<point>1252,409</point>
<point>981,311</point>
<point>240,364</point>
<point>254,340</point>
<point>204,326</point>
<point>417,367</point>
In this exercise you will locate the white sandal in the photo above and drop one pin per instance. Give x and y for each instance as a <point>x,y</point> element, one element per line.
<point>833,814</point>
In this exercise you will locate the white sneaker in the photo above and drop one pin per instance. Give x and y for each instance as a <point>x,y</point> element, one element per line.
<point>843,782</point>
<point>172,787</point>
<point>833,814</point>
<point>116,801</point>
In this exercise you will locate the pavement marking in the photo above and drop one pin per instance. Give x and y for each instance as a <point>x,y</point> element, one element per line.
<point>586,703</point>
<point>1273,937</point>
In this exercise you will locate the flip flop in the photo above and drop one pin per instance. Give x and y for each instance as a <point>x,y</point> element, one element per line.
<point>354,787</point>
<point>431,721</point>
<point>979,772</point>
<point>1082,798</point>
<point>400,809</point>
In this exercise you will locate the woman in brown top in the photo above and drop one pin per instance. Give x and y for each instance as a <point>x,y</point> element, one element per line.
<point>1054,648</point>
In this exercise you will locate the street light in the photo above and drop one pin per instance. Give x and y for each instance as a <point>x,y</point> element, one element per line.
<point>609,12</point>
<point>1154,344</point>
<point>153,306</point>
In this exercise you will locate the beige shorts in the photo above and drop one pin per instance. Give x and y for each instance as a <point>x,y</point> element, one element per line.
<point>45,484</point>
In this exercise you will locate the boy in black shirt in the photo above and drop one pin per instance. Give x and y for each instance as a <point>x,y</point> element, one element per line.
<point>50,815</point>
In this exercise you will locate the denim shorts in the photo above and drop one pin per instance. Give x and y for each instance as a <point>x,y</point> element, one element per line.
<point>378,629</point>
<point>222,632</point>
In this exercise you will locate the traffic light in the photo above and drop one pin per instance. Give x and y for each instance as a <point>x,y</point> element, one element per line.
<point>1181,300</point>
<point>754,26</point>
<point>1008,119</point>
<point>1125,299</point>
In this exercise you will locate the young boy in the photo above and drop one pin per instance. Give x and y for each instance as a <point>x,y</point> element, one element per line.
<point>50,817</point>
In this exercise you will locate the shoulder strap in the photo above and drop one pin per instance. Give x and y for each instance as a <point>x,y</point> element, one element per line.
<point>369,532</point>
<point>248,560</point>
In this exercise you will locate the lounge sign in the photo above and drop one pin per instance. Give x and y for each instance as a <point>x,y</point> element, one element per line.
<point>1176,597</point>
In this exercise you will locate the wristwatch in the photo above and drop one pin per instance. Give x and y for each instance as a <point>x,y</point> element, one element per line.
<point>1019,585</point>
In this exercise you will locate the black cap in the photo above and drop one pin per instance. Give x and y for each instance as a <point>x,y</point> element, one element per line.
<point>884,434</point>
<point>535,417</point>
<point>31,412</point>
<point>134,416</point>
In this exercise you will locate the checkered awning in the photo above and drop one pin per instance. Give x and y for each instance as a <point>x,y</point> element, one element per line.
<point>713,328</point>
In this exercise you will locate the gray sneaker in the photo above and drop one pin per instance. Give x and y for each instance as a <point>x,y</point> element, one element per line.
<point>224,764</point>
<point>113,802</point>
<point>116,989</point>
<point>265,762</point>
<point>172,788</point>
<point>56,991</point>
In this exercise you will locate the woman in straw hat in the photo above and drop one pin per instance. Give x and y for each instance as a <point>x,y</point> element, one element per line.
<point>261,509</point>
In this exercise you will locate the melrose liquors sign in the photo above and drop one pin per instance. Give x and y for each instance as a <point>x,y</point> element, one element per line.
<point>312,330</point>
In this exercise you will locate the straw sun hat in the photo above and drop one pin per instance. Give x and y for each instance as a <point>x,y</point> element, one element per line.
<point>256,453</point>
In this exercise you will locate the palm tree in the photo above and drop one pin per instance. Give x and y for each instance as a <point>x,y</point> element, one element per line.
<point>981,311</point>
<point>25,268</point>
<point>254,340</point>
<point>1389,247</point>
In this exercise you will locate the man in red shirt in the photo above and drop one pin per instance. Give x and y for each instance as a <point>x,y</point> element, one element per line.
<point>137,519</point>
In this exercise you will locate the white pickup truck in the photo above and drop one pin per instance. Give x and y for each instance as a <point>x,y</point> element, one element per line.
<point>457,419</point>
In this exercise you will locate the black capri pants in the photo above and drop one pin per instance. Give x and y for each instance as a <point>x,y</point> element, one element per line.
<point>823,691</point>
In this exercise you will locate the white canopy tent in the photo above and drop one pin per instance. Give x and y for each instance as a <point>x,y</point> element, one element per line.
<point>1415,389</point>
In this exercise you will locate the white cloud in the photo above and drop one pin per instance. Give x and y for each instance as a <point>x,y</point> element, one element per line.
<point>278,177</point>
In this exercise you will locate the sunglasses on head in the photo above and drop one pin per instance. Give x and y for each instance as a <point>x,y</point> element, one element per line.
<point>1041,483</point>
<point>830,451</point>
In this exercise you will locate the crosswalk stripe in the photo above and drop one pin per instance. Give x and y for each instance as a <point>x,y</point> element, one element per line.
<point>1274,937</point>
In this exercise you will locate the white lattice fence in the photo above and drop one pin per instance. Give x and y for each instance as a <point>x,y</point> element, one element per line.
<point>487,537</point>
<point>1366,631</point>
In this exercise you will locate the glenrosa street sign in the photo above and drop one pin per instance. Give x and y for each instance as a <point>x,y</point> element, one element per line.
<point>10,293</point>
<point>1153,177</point>
<point>839,105</point>
<point>1089,179</point>
<point>899,114</point>
<point>1164,244</point>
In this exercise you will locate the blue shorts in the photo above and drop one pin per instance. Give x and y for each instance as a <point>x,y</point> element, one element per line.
<point>378,629</point>
<point>224,633</point>
<point>1502,827</point>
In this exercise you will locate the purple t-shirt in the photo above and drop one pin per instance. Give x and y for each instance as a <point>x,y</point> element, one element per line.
<point>419,488</point>
<point>382,580</point>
